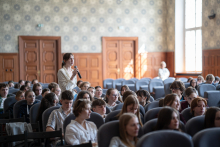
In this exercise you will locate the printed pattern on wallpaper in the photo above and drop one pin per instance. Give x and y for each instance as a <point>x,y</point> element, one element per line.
<point>82,23</point>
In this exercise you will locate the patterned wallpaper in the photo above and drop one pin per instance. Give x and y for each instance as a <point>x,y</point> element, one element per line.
<point>210,27</point>
<point>82,23</point>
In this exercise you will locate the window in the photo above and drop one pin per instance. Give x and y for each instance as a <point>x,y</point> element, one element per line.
<point>193,35</point>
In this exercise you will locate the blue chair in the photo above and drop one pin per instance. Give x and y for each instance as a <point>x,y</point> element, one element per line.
<point>117,84</point>
<point>130,84</point>
<point>183,80</point>
<point>151,105</point>
<point>195,125</point>
<point>187,85</point>
<point>39,97</point>
<point>167,88</point>
<point>11,91</point>
<point>104,91</point>
<point>34,112</point>
<point>108,83</point>
<point>187,115</point>
<point>141,84</point>
<point>8,102</point>
<point>169,80</point>
<point>158,92</point>
<point>213,98</point>
<point>205,87</point>
<point>151,114</point>
<point>153,83</point>
<point>111,116</point>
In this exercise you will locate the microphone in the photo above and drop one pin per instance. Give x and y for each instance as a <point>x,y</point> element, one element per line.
<point>78,72</point>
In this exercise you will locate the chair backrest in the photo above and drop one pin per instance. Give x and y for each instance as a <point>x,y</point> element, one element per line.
<point>117,82</point>
<point>46,114</point>
<point>39,97</point>
<point>154,82</point>
<point>151,124</point>
<point>104,91</point>
<point>205,87</point>
<point>170,80</point>
<point>152,105</point>
<point>183,79</point>
<point>8,102</point>
<point>151,114</point>
<point>218,87</point>
<point>107,81</point>
<point>113,130</point>
<point>13,90</point>
<point>16,108</point>
<point>165,138</point>
<point>130,84</point>
<point>34,112</point>
<point>195,125</point>
<point>108,110</point>
<point>213,98</point>
<point>187,115</point>
<point>140,83</point>
<point>111,116</point>
<point>134,79</point>
<point>167,88</point>
<point>207,137</point>
<point>151,99</point>
<point>187,85</point>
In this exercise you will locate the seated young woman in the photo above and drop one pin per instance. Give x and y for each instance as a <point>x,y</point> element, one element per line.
<point>193,84</point>
<point>79,82</point>
<point>91,90</point>
<point>84,95</point>
<point>190,95</point>
<point>198,106</point>
<point>98,92</point>
<point>123,89</point>
<point>129,127</point>
<point>168,118</point>
<point>173,101</point>
<point>143,96</point>
<point>57,90</point>
<point>25,88</point>
<point>112,96</point>
<point>45,91</point>
<point>84,85</point>
<point>131,105</point>
<point>178,87</point>
<point>189,79</point>
<point>49,100</point>
<point>80,130</point>
<point>212,117</point>
<point>200,80</point>
<point>127,93</point>
<point>25,108</point>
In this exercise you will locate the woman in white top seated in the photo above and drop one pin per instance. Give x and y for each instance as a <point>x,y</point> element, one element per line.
<point>129,127</point>
<point>66,75</point>
<point>163,72</point>
<point>80,130</point>
<point>112,96</point>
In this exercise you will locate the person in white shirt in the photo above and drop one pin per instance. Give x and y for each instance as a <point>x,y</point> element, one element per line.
<point>163,72</point>
<point>66,75</point>
<point>80,130</point>
<point>111,97</point>
<point>129,127</point>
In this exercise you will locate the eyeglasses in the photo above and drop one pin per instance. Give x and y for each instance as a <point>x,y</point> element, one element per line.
<point>174,88</point>
<point>115,95</point>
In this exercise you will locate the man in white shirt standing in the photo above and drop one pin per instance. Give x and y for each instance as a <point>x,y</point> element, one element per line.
<point>3,95</point>
<point>163,72</point>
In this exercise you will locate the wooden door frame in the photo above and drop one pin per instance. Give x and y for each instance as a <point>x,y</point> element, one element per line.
<point>21,51</point>
<point>135,39</point>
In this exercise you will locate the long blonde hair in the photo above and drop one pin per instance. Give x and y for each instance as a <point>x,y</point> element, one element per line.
<point>123,122</point>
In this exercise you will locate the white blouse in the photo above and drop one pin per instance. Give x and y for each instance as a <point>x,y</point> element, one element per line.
<point>111,107</point>
<point>64,80</point>
<point>163,73</point>
<point>76,134</point>
<point>116,142</point>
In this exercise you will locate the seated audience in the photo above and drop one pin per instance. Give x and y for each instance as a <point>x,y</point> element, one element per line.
<point>45,91</point>
<point>198,106</point>
<point>127,93</point>
<point>34,81</point>
<point>25,108</point>
<point>200,80</point>
<point>3,95</point>
<point>19,96</point>
<point>217,79</point>
<point>52,85</point>
<point>99,106</point>
<point>79,82</point>
<point>57,90</point>
<point>98,92</point>
<point>189,79</point>
<point>190,95</point>
<point>161,102</point>
<point>17,86</point>
<point>178,87</point>
<point>84,95</point>
<point>10,83</point>
<point>131,105</point>
<point>193,84</point>
<point>21,82</point>
<point>163,72</point>
<point>168,119</point>
<point>91,91</point>
<point>123,89</point>
<point>209,79</point>
<point>80,130</point>
<point>173,101</point>
<point>37,88</point>
<point>84,85</point>
<point>212,117</point>
<point>111,98</point>
<point>49,100</point>
<point>143,96</point>
<point>129,128</point>
<point>28,83</point>
<point>25,88</point>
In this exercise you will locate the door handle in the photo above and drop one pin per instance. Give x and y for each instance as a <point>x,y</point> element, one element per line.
<point>6,70</point>
<point>10,69</point>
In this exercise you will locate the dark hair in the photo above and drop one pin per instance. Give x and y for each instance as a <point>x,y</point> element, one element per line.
<point>35,86</point>
<point>97,87</point>
<point>125,86</point>
<point>178,84</point>
<point>27,92</point>
<point>23,87</point>
<point>27,82</point>
<point>189,91</point>
<point>165,117</point>
<point>189,79</point>
<point>34,80</point>
<point>143,93</point>
<point>46,102</point>
<point>169,99</point>
<point>3,85</point>
<point>161,102</point>
<point>79,105</point>
<point>45,90</point>
<point>82,93</point>
<point>78,82</point>
<point>191,83</point>
<point>98,102</point>
<point>10,82</point>
<point>84,84</point>
<point>66,56</point>
<point>127,93</point>
<point>17,86</point>
<point>217,78</point>
<point>52,85</point>
<point>20,81</point>
<point>210,117</point>
<point>67,95</point>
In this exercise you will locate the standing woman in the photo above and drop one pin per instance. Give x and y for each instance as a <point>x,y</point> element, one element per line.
<point>66,75</point>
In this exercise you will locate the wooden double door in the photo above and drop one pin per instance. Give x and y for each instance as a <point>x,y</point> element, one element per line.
<point>119,57</point>
<point>39,58</point>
